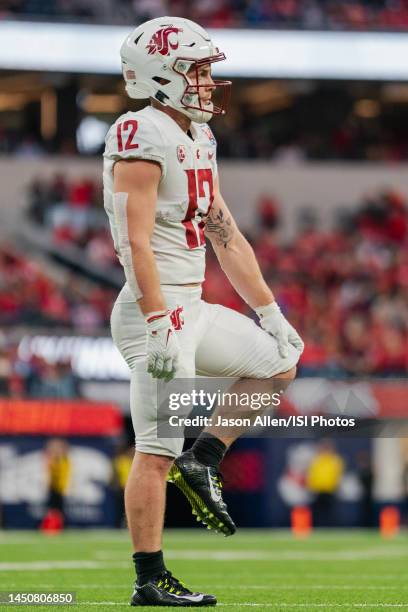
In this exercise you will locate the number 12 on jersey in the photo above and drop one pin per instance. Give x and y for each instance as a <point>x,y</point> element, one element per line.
<point>196,181</point>
<point>127,128</point>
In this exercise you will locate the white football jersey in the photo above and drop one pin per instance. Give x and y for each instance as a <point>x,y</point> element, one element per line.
<point>185,192</point>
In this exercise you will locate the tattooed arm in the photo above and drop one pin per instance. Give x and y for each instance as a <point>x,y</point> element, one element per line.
<point>235,254</point>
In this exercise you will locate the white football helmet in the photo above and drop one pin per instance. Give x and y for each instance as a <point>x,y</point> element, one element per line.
<point>156,58</point>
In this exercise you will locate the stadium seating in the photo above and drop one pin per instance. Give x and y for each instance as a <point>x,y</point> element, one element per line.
<point>345,290</point>
<point>305,14</point>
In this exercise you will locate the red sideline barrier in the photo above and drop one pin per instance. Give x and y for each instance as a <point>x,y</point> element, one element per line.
<point>59,418</point>
<point>393,400</point>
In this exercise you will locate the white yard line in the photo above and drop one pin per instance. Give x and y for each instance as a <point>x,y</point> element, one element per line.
<point>248,604</point>
<point>252,555</point>
<point>18,566</point>
<point>295,555</point>
<point>119,537</point>
<point>237,555</point>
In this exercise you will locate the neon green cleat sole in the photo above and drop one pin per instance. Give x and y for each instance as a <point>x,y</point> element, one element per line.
<point>198,507</point>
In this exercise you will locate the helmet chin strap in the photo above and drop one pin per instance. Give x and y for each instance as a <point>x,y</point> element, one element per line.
<point>196,114</point>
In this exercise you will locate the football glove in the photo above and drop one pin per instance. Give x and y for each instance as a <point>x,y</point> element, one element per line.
<point>162,346</point>
<point>273,322</point>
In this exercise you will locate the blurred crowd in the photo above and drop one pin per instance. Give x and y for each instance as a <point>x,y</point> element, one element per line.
<point>305,14</point>
<point>345,290</point>
<point>31,294</point>
<point>36,377</point>
<point>73,213</point>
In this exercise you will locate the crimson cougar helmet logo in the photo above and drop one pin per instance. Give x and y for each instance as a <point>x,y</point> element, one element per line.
<point>160,42</point>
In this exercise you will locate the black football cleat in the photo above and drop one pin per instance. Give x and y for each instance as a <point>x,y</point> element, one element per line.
<point>202,485</point>
<point>165,590</point>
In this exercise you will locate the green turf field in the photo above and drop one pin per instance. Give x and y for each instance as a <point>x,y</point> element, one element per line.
<point>267,570</point>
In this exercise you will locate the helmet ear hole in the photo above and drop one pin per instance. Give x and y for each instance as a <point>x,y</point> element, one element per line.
<point>183,65</point>
<point>161,80</point>
<point>161,97</point>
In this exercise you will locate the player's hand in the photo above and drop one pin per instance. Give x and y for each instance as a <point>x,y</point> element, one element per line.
<point>273,322</point>
<point>162,346</point>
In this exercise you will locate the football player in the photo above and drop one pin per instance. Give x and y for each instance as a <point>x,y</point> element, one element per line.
<point>162,196</point>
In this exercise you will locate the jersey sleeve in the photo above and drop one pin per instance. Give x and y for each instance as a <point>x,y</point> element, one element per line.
<point>135,138</point>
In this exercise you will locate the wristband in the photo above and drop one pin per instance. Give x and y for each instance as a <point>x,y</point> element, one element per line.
<point>269,309</point>
<point>153,316</point>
